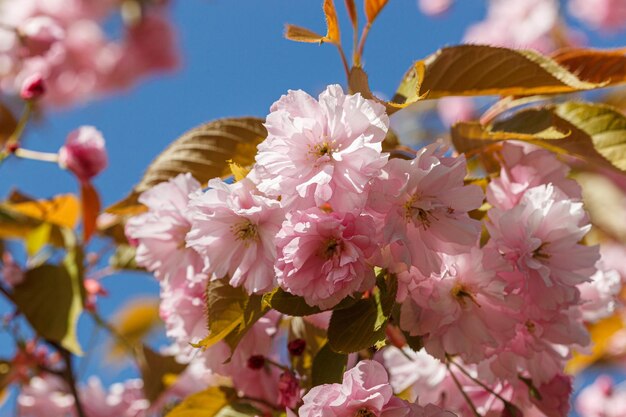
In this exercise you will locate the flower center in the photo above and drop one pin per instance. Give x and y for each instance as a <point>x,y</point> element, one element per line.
<point>540,253</point>
<point>364,412</point>
<point>323,150</point>
<point>330,248</point>
<point>462,294</point>
<point>245,231</point>
<point>530,326</point>
<point>418,215</point>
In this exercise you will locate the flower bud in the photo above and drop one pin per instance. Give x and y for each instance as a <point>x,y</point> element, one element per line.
<point>296,347</point>
<point>84,153</point>
<point>256,361</point>
<point>33,87</point>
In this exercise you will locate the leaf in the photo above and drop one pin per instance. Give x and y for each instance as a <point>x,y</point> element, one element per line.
<point>290,304</point>
<point>300,34</point>
<point>594,65</point>
<point>357,327</point>
<point>154,369</point>
<point>373,8</point>
<point>255,309</point>
<point>225,308</point>
<point>231,313</point>
<point>133,323</point>
<point>51,299</point>
<point>204,152</point>
<point>333,34</point>
<point>352,13</point>
<point>212,402</point>
<point>314,338</point>
<point>62,210</point>
<point>328,366</point>
<point>90,204</point>
<point>477,70</point>
<point>238,410</point>
<point>470,136</point>
<point>604,125</point>
<point>38,238</point>
<point>596,133</point>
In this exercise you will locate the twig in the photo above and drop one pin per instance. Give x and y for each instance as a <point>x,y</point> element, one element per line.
<point>463,393</point>
<point>70,379</point>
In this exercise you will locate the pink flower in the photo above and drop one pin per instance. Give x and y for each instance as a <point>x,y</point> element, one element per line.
<point>365,391</point>
<point>323,256</point>
<point>45,396</point>
<point>122,399</point>
<point>183,310</point>
<point>84,153</point>
<point>540,237</point>
<point>233,229</point>
<point>601,399</point>
<point>524,167</point>
<point>605,15</point>
<point>38,35</point>
<point>463,311</point>
<point>434,7</point>
<point>600,296</point>
<point>149,47</point>
<point>160,233</point>
<point>322,151</point>
<point>424,205</point>
<point>418,372</point>
<point>555,395</point>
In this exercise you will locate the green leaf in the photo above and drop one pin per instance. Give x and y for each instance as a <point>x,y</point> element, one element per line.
<point>255,309</point>
<point>290,304</point>
<point>203,152</point>
<point>604,126</point>
<point>477,70</point>
<point>238,410</point>
<point>154,369</point>
<point>328,366</point>
<point>595,133</point>
<point>51,298</point>
<point>357,327</point>
<point>38,238</point>
<point>205,403</point>
<point>231,313</point>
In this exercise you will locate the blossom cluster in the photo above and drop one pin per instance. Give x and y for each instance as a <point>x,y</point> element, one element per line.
<point>497,284</point>
<point>63,43</point>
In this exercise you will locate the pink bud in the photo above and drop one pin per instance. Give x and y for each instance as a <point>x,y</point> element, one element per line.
<point>288,390</point>
<point>33,87</point>
<point>84,153</point>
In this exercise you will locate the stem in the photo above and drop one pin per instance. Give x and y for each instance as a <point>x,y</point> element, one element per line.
<point>359,52</point>
<point>344,61</point>
<point>479,382</point>
<point>278,365</point>
<point>71,381</point>
<point>463,393</point>
<point>21,125</point>
<point>36,155</point>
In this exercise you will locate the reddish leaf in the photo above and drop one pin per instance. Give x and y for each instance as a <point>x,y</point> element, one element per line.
<point>90,201</point>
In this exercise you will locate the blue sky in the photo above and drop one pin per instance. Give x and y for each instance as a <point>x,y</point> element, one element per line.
<point>235,63</point>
